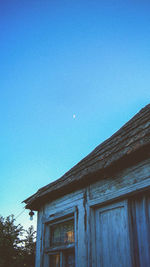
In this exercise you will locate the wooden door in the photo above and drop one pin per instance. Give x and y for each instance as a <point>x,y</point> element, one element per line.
<point>112,236</point>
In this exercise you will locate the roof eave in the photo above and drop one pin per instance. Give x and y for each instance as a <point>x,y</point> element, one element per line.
<point>133,157</point>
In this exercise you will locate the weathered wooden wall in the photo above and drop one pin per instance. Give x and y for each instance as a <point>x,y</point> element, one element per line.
<point>86,202</point>
<point>127,181</point>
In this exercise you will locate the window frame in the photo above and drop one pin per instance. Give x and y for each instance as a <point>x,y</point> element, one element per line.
<point>54,219</point>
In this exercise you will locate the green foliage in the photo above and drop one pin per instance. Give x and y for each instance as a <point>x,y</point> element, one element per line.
<point>17,246</point>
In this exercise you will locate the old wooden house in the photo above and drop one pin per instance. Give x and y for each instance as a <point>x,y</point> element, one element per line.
<point>98,213</point>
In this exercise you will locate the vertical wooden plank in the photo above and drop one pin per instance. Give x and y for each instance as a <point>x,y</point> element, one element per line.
<point>44,257</point>
<point>92,239</point>
<point>140,227</point>
<point>76,235</point>
<point>82,239</point>
<point>89,258</point>
<point>39,240</point>
<point>143,233</point>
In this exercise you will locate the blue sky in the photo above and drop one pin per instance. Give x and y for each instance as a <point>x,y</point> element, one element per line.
<point>57,59</point>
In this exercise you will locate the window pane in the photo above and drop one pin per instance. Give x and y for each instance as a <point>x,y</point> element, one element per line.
<point>69,259</point>
<point>62,234</point>
<point>55,260</point>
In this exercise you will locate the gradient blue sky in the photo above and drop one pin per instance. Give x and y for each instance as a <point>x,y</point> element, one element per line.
<point>59,58</point>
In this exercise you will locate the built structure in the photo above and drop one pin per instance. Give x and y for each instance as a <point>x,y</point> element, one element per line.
<point>98,213</point>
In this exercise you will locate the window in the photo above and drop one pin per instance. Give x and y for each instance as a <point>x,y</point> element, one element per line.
<point>62,234</point>
<point>60,243</point>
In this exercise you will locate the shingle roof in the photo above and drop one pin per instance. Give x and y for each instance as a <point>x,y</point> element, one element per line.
<point>125,143</point>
